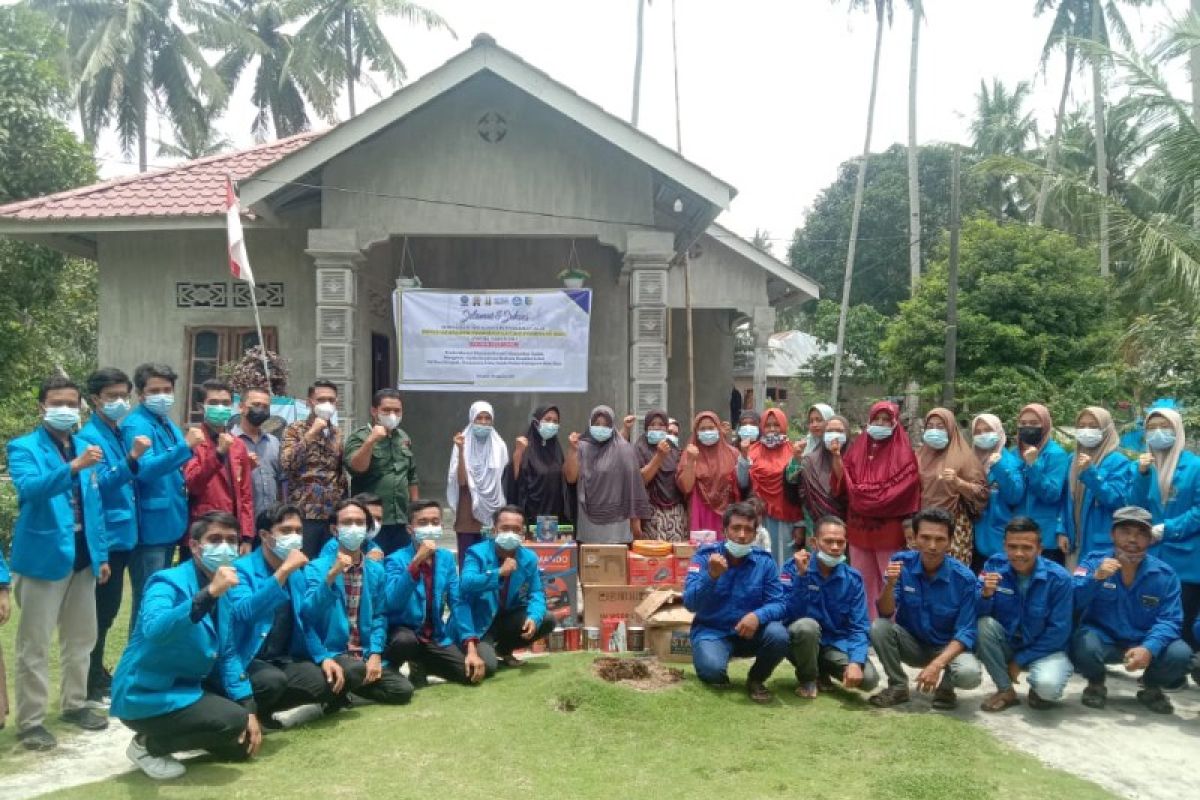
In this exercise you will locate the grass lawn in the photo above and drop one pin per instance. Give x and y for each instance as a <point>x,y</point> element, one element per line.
<point>552,730</point>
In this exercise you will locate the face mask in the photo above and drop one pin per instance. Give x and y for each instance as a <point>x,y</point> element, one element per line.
<point>1089,437</point>
<point>834,436</point>
<point>286,543</point>
<point>389,421</point>
<point>215,556</point>
<point>159,404</point>
<point>774,439</point>
<point>673,439</point>
<point>481,432</point>
<point>601,433</point>
<point>325,411</point>
<point>879,432</point>
<point>257,416</point>
<point>830,561</point>
<point>748,432</point>
<point>708,438</point>
<point>507,540</point>
<point>351,537</point>
<point>547,430</point>
<point>429,533</point>
<point>1030,435</point>
<point>654,437</point>
<point>937,439</point>
<point>738,550</point>
<point>1160,439</point>
<point>116,409</point>
<point>986,441</point>
<point>218,416</point>
<point>61,418</point>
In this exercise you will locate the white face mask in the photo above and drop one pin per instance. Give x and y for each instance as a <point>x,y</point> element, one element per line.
<point>325,410</point>
<point>389,421</point>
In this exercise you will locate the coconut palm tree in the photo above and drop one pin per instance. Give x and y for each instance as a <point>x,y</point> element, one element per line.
<point>914,179</point>
<point>194,141</point>
<point>1002,127</point>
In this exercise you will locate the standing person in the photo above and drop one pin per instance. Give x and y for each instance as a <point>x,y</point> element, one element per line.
<point>162,507</point>
<point>108,393</point>
<point>474,485</point>
<point>1045,466</point>
<point>311,457</point>
<point>673,432</point>
<point>218,477</point>
<point>381,462</point>
<point>263,448</point>
<point>1100,478</point>
<point>882,487</point>
<point>604,470</point>
<point>59,552</point>
<point>659,460</point>
<point>708,474</point>
<point>1006,486</point>
<point>534,479</point>
<point>811,472</point>
<point>748,431</point>
<point>952,479</point>
<point>1169,470</point>
<point>761,471</point>
<point>818,415</point>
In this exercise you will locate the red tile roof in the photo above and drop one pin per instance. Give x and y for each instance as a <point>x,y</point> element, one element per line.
<point>193,189</point>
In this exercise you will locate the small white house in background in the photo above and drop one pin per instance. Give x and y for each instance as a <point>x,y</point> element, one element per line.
<point>788,355</point>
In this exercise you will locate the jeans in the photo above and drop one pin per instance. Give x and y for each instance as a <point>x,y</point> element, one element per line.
<point>108,603</point>
<point>213,723</point>
<point>813,659</point>
<point>896,647</point>
<point>769,645</point>
<point>1048,676</point>
<point>1090,653</point>
<point>144,561</point>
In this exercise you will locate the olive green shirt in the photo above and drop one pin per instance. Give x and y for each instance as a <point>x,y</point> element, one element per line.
<point>393,469</point>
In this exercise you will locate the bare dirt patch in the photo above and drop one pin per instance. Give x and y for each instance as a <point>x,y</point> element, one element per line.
<point>643,674</point>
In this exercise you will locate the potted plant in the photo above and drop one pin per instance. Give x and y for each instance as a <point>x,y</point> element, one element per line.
<point>573,277</point>
<point>412,282</point>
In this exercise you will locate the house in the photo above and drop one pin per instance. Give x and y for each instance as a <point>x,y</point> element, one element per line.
<point>483,174</point>
<point>788,355</point>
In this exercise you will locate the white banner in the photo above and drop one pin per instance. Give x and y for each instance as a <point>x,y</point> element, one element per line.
<point>532,340</point>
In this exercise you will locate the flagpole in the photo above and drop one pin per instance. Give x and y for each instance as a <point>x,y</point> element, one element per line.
<point>262,343</point>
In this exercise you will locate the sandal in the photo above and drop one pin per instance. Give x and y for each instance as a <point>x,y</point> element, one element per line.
<point>891,696</point>
<point>1000,701</point>
<point>807,690</point>
<point>1095,696</point>
<point>1154,699</point>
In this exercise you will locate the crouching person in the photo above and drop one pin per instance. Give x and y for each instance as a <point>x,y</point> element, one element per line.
<point>179,685</point>
<point>739,602</point>
<point>933,598</point>
<point>1024,619</point>
<point>502,586</point>
<point>827,611</point>
<point>346,607</point>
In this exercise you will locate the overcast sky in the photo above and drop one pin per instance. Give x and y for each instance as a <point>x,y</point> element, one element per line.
<point>773,92</point>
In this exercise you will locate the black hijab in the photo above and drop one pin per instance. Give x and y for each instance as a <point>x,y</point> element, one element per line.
<point>540,489</point>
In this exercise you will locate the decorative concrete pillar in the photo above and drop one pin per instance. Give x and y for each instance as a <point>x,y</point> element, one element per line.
<point>337,257</point>
<point>647,262</point>
<point>764,326</point>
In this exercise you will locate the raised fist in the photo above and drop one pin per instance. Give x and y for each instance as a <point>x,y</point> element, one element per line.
<point>224,579</point>
<point>140,445</point>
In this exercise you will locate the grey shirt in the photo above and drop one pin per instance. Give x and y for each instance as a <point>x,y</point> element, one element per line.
<point>265,477</point>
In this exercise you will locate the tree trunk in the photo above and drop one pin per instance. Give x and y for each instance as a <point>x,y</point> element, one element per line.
<point>1052,152</point>
<point>914,179</point>
<point>859,188</point>
<point>637,63</point>
<point>1101,156</point>
<point>348,44</point>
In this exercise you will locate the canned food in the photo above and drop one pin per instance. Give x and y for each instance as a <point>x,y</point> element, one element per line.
<point>556,640</point>
<point>636,639</point>
<point>571,639</point>
<point>591,639</point>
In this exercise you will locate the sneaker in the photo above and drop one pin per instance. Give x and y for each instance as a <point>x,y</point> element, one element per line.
<point>160,768</point>
<point>891,696</point>
<point>86,718</point>
<point>37,738</point>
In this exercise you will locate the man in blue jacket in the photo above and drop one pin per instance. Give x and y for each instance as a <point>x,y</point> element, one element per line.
<point>502,585</point>
<point>59,552</point>
<point>735,593</point>
<point>162,509</point>
<point>933,598</point>
<point>1130,611</point>
<point>422,580</point>
<point>179,685</point>
<point>108,392</point>
<point>1024,619</point>
<point>827,615</point>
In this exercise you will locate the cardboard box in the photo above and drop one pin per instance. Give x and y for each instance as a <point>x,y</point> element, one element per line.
<point>609,601</point>
<point>698,538</point>
<point>604,565</point>
<point>683,559</point>
<point>651,571</point>
<point>668,625</point>
<point>557,564</point>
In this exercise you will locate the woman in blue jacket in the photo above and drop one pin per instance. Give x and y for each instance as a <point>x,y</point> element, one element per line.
<point>1167,484</point>
<point>1006,482</point>
<point>1044,465</point>
<point>1099,484</point>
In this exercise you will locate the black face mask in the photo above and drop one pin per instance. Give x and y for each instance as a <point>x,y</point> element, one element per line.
<point>257,416</point>
<point>1031,435</point>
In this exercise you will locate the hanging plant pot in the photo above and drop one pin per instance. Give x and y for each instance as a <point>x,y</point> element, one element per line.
<point>408,283</point>
<point>574,275</point>
<point>573,281</point>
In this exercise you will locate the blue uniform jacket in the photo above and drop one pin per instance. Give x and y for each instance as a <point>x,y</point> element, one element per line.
<point>169,657</point>
<point>1045,489</point>
<point>5,577</point>
<point>939,610</point>
<point>43,539</point>
<point>161,501</point>
<point>1149,613</point>
<point>1106,488</point>
<point>480,586</point>
<point>1180,515</point>
<point>256,598</point>
<point>752,585</point>
<point>1006,480</point>
<point>406,596</point>
<point>325,611</point>
<point>838,604</point>
<point>1038,623</point>
<point>115,477</point>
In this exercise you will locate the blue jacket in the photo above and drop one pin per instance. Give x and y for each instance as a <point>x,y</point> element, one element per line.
<point>480,587</point>
<point>1148,613</point>
<point>161,499</point>
<point>406,599</point>
<point>838,604</point>
<point>169,657</point>
<point>115,477</point>
<point>1037,622</point>
<point>1105,489</point>
<point>939,610</point>
<point>1007,482</point>
<point>1180,517</point>
<point>1045,488</point>
<point>752,585</point>
<point>326,615</point>
<point>330,548</point>
<point>255,600</point>
<point>5,577</point>
<point>43,540</point>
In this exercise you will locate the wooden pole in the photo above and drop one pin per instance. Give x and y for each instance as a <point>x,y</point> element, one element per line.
<point>952,286</point>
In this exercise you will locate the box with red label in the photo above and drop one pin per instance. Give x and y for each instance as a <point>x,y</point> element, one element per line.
<point>609,601</point>
<point>557,565</point>
<point>683,560</point>
<point>701,538</point>
<point>651,570</point>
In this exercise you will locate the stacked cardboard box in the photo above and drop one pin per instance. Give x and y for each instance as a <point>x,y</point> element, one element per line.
<point>616,580</point>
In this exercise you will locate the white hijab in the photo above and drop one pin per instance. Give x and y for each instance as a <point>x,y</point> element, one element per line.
<point>486,460</point>
<point>1166,462</point>
<point>811,442</point>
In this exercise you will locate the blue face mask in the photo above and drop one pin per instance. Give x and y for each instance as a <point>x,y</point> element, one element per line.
<point>709,438</point>
<point>351,537</point>
<point>986,441</point>
<point>834,436</point>
<point>286,543</point>
<point>935,438</point>
<point>830,561</point>
<point>879,432</point>
<point>429,533</point>
<point>1089,437</point>
<point>481,431</point>
<point>116,410</point>
<point>654,437</point>
<point>1160,439</point>
<point>738,550</point>
<point>215,556</point>
<point>673,439</point>
<point>507,540</point>
<point>61,418</point>
<point>601,433</point>
<point>547,430</point>
<point>159,404</point>
<point>748,432</point>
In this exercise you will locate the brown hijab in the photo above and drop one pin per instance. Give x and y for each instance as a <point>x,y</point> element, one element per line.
<point>957,455</point>
<point>716,467</point>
